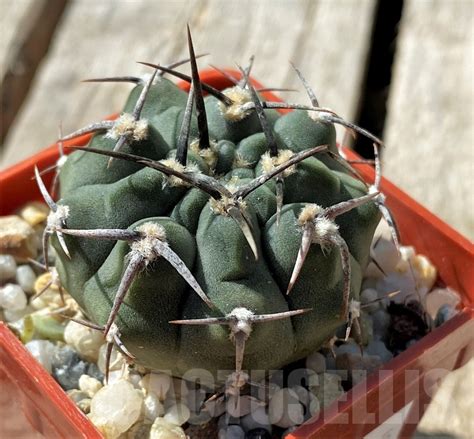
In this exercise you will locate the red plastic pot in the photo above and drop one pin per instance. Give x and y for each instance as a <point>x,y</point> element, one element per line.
<point>39,405</point>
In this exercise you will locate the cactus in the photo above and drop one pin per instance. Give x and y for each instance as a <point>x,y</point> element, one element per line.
<point>213,233</point>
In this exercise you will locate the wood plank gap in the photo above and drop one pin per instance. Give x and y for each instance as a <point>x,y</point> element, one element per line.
<point>373,103</point>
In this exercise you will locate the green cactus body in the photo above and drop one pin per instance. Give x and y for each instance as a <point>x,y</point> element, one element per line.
<point>125,195</point>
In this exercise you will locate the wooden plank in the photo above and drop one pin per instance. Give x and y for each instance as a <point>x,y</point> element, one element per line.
<point>327,40</point>
<point>29,27</point>
<point>12,16</point>
<point>429,127</point>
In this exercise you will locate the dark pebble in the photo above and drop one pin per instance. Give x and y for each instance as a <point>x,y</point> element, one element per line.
<point>94,371</point>
<point>68,367</point>
<point>258,433</point>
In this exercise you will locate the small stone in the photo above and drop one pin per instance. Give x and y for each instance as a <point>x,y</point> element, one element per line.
<point>89,385</point>
<point>258,433</point>
<point>180,387</point>
<point>314,405</point>
<point>12,297</point>
<point>327,389</point>
<point>17,238</point>
<point>378,348</point>
<point>152,407</point>
<point>42,351</point>
<point>64,356</point>
<point>158,383</point>
<point>358,366</point>
<point>115,408</point>
<point>26,278</point>
<point>7,268</point>
<point>267,390</point>
<point>94,372</point>
<point>349,347</point>
<point>195,399</point>
<point>49,296</point>
<point>68,375</point>
<point>86,341</point>
<point>445,313</point>
<point>15,315</point>
<point>232,432</point>
<point>85,405</point>
<point>162,429</point>
<point>404,282</point>
<point>199,418</point>
<point>138,431</point>
<point>284,409</point>
<point>381,321</point>
<point>257,418</point>
<point>316,362</point>
<point>178,414</point>
<point>368,298</point>
<point>439,297</point>
<point>386,254</point>
<point>303,394</point>
<point>76,395</point>
<point>116,358</point>
<point>238,406</point>
<point>216,407</point>
<point>34,213</point>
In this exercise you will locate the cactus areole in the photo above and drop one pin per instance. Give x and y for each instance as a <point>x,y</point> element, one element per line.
<point>212,232</point>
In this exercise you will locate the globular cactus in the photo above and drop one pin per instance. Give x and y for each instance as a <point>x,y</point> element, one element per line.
<point>213,233</point>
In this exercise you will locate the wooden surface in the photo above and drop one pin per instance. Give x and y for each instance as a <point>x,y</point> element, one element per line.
<point>429,127</point>
<point>327,40</point>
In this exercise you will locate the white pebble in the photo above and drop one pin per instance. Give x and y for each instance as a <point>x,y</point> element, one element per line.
<point>158,383</point>
<point>89,385</point>
<point>349,347</point>
<point>153,408</point>
<point>316,362</point>
<point>42,351</point>
<point>13,316</point>
<point>238,406</point>
<point>368,298</point>
<point>314,405</point>
<point>86,341</point>
<point>378,348</point>
<point>12,297</point>
<point>257,418</point>
<point>284,409</point>
<point>215,407</point>
<point>439,297</point>
<point>303,394</point>
<point>7,267</point>
<point>26,277</point>
<point>403,282</point>
<point>267,390</point>
<point>178,414</point>
<point>386,255</point>
<point>381,321</point>
<point>115,408</point>
<point>162,429</point>
<point>195,399</point>
<point>199,418</point>
<point>328,388</point>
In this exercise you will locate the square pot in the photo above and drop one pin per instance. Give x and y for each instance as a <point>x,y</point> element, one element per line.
<point>37,403</point>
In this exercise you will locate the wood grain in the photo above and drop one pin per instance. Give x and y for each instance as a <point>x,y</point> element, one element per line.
<point>327,40</point>
<point>429,126</point>
<point>29,27</point>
